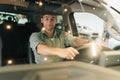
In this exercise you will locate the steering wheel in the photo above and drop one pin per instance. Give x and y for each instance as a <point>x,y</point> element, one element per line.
<point>89,53</point>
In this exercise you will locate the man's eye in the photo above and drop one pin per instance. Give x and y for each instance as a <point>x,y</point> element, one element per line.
<point>46,18</point>
<point>49,19</point>
<point>52,19</point>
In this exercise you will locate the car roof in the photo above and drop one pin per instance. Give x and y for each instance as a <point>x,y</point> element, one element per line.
<point>30,6</point>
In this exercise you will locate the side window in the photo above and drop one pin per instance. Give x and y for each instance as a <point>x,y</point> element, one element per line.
<point>59,22</point>
<point>89,25</point>
<point>59,19</point>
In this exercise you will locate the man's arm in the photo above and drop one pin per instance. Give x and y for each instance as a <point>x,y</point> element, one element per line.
<point>67,53</point>
<point>79,42</point>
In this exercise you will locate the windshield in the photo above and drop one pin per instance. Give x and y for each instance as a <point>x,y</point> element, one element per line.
<point>91,20</point>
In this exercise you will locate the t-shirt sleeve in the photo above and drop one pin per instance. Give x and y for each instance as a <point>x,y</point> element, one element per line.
<point>35,40</point>
<point>69,39</point>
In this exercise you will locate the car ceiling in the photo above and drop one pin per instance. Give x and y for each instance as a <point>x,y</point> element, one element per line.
<point>30,6</point>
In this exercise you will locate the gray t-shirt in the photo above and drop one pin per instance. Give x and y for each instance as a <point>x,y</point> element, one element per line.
<point>60,39</point>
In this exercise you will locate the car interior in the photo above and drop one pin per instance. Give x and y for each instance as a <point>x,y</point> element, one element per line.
<point>78,18</point>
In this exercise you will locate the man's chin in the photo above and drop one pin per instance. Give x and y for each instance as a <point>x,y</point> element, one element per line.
<point>50,28</point>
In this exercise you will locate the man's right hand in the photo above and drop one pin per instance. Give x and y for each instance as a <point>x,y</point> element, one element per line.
<point>67,53</point>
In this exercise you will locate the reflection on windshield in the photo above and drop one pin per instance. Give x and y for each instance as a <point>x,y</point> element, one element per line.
<point>114,3</point>
<point>22,19</point>
<point>17,18</point>
<point>4,16</point>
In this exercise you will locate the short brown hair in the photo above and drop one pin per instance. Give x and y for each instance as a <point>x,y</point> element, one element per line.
<point>48,12</point>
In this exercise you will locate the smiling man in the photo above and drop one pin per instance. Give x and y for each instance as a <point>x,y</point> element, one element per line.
<point>49,45</point>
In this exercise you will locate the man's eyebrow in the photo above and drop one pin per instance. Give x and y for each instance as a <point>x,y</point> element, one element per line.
<point>47,16</point>
<point>54,17</point>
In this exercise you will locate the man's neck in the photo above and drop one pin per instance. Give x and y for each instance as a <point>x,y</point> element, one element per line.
<point>49,33</point>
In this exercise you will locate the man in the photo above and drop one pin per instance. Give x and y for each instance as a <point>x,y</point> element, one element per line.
<point>49,44</point>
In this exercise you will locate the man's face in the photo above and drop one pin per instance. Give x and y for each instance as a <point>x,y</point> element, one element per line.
<point>49,21</point>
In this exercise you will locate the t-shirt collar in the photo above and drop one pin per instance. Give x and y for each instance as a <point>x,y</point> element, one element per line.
<point>54,35</point>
